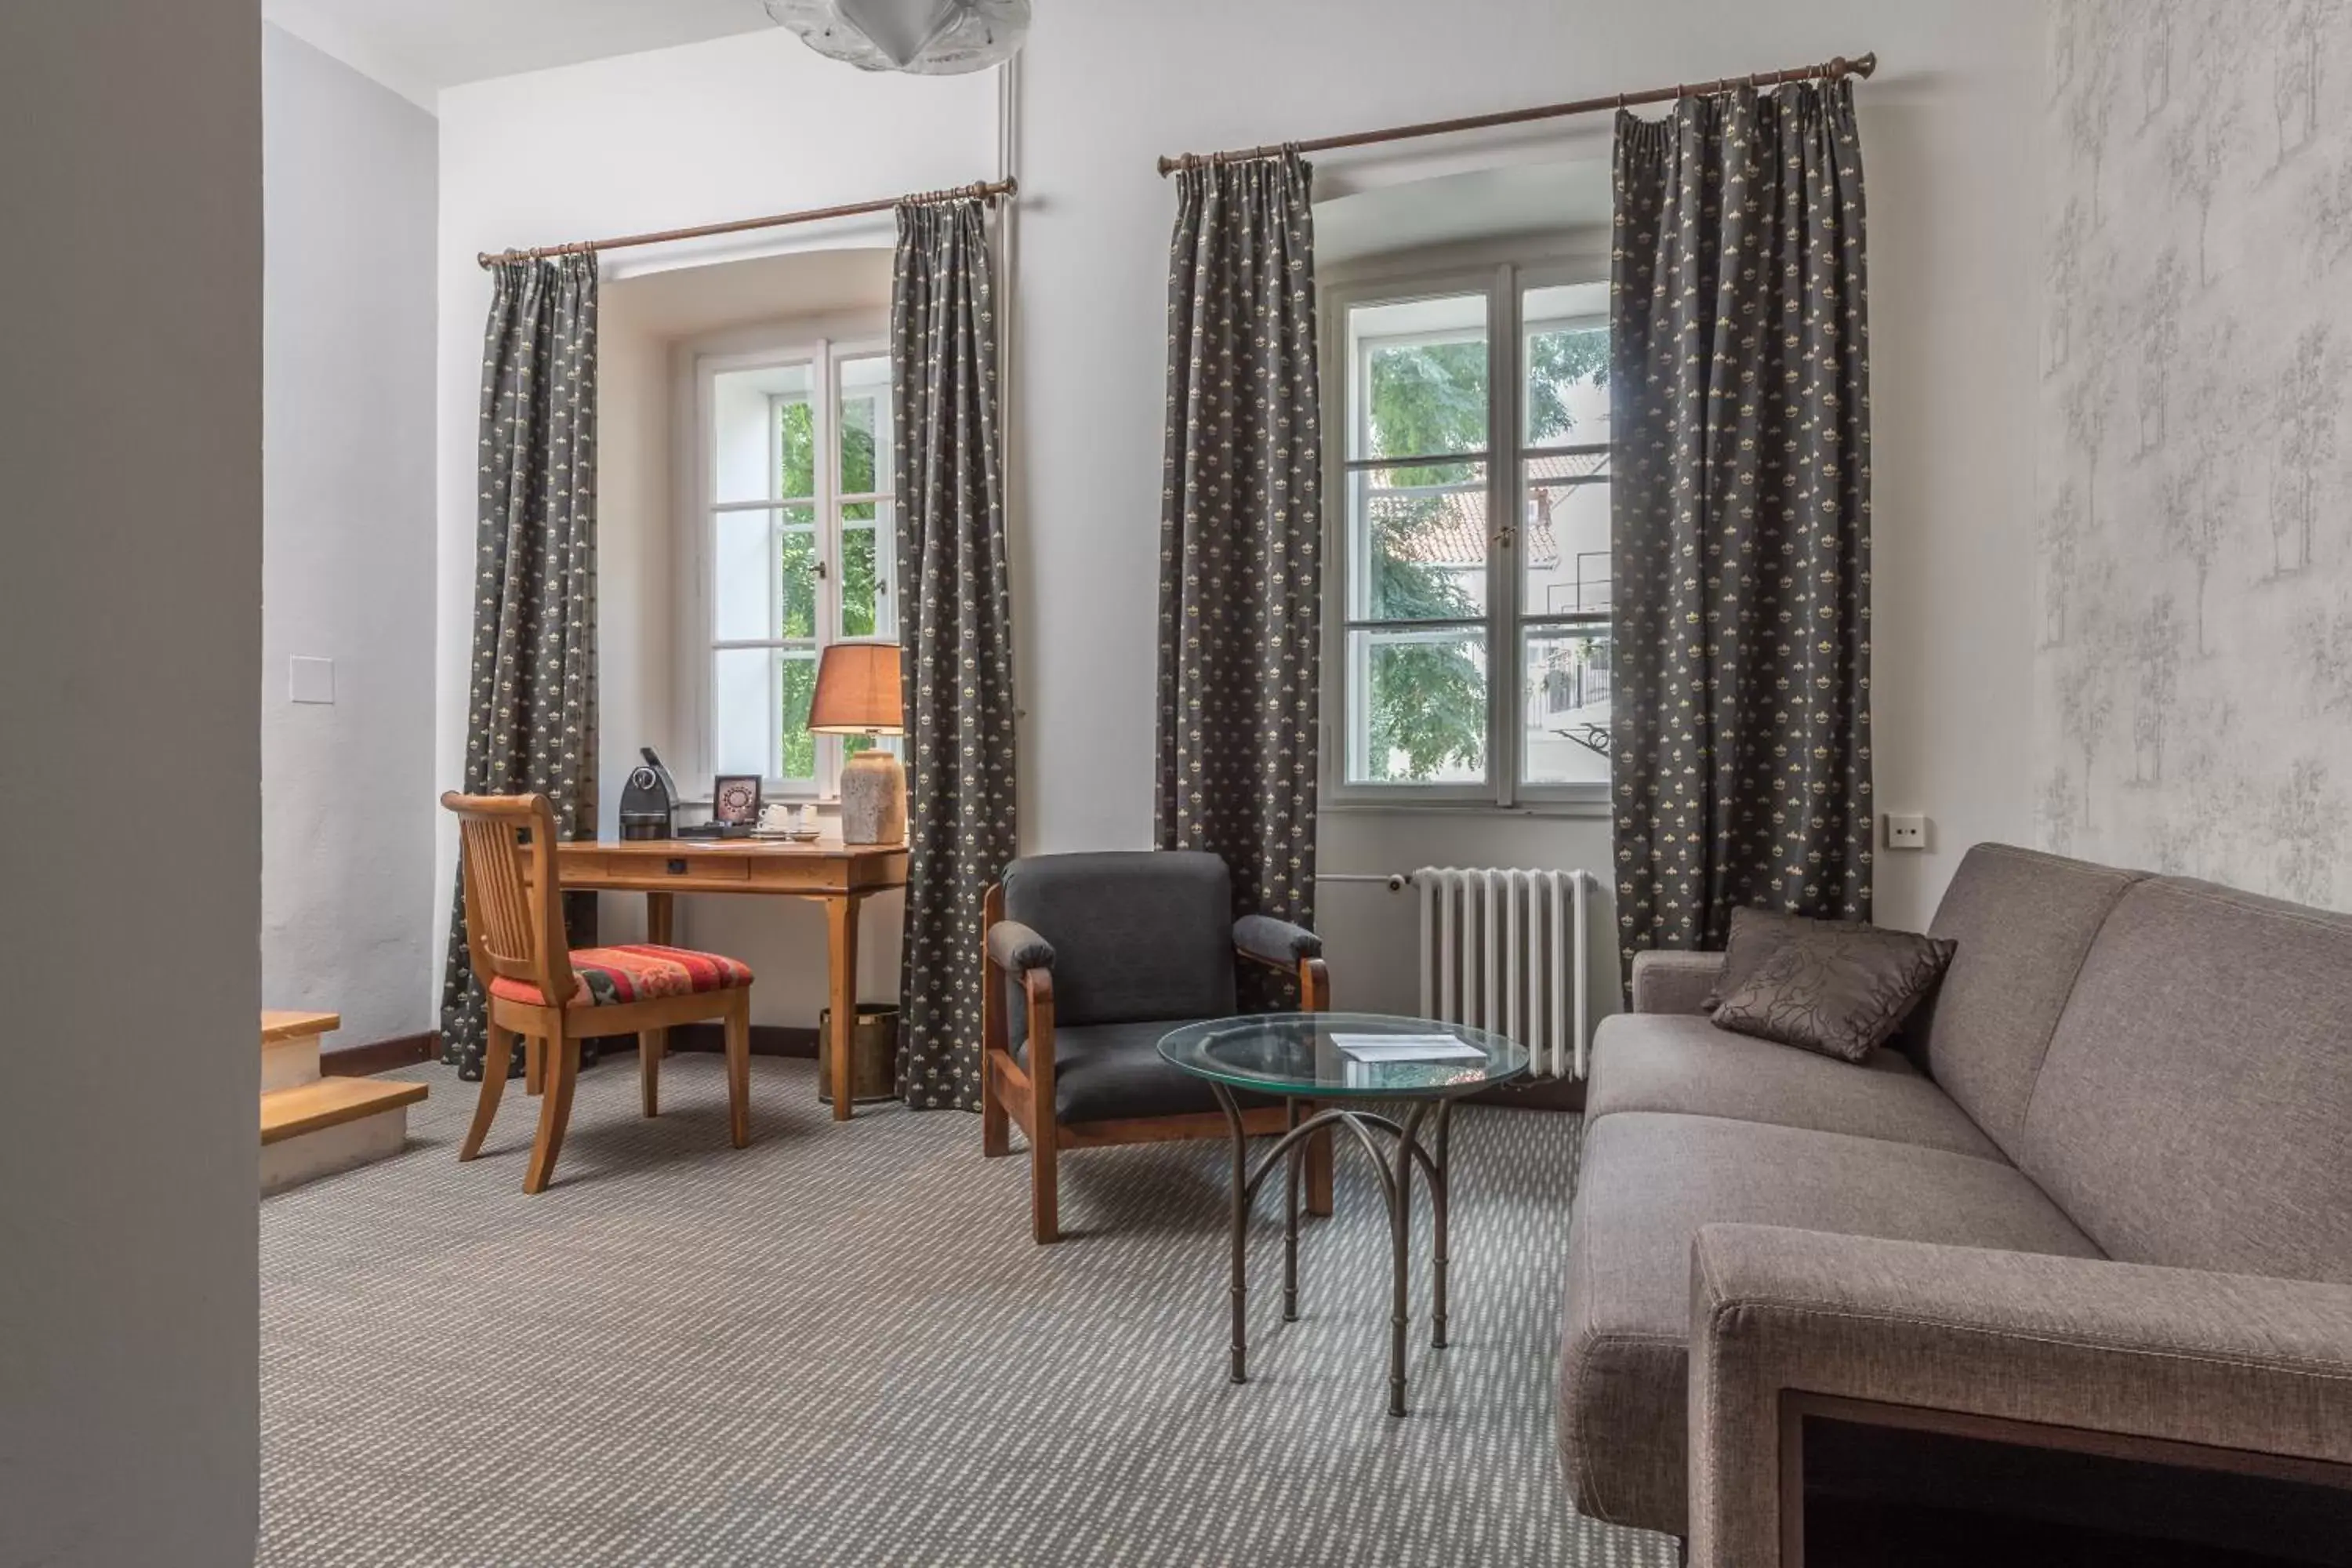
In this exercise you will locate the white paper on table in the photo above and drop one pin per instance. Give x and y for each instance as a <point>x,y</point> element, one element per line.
<point>1407,1048</point>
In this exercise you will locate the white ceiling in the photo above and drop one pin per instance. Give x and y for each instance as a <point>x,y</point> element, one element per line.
<point>419,47</point>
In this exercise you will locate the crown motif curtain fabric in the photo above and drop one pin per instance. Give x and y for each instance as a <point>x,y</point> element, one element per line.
<point>955,632</point>
<point>1241,568</point>
<point>1739,391</point>
<point>533,725</point>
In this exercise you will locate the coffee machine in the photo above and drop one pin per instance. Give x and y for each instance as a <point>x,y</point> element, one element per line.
<point>649,802</point>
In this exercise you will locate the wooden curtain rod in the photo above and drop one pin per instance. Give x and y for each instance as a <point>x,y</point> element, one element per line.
<point>1833,69</point>
<point>987,190</point>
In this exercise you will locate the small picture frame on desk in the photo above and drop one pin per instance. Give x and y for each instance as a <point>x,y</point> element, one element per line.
<point>735,800</point>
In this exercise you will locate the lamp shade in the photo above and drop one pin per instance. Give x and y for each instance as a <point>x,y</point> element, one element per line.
<point>857,691</point>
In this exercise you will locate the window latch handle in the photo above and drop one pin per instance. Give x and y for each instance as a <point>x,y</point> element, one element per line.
<point>820,570</point>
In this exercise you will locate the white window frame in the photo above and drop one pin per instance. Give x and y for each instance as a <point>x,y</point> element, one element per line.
<point>823,349</point>
<point>1502,278</point>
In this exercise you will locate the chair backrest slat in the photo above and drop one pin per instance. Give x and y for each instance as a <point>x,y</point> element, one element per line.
<point>514,890</point>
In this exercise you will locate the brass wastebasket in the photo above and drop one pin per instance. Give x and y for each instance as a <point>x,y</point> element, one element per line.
<point>873,1054</point>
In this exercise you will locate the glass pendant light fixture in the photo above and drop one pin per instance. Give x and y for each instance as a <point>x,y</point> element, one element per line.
<point>925,37</point>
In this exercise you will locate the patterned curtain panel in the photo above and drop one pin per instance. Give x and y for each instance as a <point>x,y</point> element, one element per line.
<point>1241,526</point>
<point>532,726</point>
<point>1740,381</point>
<point>955,629</point>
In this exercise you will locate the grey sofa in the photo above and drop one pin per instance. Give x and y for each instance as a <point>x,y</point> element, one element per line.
<point>2105,1183</point>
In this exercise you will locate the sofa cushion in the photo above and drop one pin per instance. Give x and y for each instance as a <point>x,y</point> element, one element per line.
<point>1110,1072</point>
<point>1137,934</point>
<point>1682,1063</point>
<point>1646,1184</point>
<point>2023,923</point>
<point>2195,1106</point>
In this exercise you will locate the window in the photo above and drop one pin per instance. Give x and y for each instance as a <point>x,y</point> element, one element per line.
<point>800,550</point>
<point>1472,655</point>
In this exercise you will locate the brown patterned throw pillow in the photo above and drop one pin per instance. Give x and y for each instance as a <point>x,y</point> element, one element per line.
<point>1756,935</point>
<point>1832,986</point>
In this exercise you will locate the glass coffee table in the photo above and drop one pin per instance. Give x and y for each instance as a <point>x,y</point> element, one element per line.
<point>1298,1056</point>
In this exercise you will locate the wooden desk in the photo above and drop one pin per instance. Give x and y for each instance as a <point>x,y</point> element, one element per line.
<point>839,875</point>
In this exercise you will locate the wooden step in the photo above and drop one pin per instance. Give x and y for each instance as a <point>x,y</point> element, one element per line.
<point>331,1102</point>
<point>279,1025</point>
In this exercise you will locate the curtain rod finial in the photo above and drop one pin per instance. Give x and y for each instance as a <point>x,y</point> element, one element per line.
<point>1865,66</point>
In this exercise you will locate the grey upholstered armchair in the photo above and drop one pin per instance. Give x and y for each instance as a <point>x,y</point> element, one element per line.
<point>1108,952</point>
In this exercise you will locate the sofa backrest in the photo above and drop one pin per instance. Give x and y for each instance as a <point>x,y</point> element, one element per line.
<point>2194,1108</point>
<point>1137,934</point>
<point>2024,922</point>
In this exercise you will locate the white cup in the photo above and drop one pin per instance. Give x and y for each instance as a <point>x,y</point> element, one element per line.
<point>776,816</point>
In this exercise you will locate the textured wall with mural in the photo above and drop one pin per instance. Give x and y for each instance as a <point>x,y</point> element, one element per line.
<point>2194,668</point>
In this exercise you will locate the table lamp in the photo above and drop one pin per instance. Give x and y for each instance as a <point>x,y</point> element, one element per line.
<point>857,694</point>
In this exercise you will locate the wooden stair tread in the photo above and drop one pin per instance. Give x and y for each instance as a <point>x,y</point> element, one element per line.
<point>330,1101</point>
<point>279,1025</point>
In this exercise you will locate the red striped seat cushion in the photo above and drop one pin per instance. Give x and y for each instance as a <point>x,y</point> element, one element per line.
<point>637,971</point>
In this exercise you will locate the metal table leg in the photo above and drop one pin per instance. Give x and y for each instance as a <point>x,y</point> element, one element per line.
<point>1240,1372</point>
<point>1437,1194</point>
<point>1290,1218</point>
<point>1394,1170</point>
<point>1400,1193</point>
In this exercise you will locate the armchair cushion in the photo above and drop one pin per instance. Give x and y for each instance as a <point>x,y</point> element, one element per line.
<point>2227,1360</point>
<point>1113,1072</point>
<point>1275,942</point>
<point>1016,948</point>
<point>1137,934</point>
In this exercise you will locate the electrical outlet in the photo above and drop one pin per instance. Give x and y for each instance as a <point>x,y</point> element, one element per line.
<point>1906,830</point>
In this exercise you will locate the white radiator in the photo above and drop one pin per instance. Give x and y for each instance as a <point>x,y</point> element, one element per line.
<point>1505,949</point>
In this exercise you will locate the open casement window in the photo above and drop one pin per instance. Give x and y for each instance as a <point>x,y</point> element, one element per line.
<point>800,549</point>
<point>1469,656</point>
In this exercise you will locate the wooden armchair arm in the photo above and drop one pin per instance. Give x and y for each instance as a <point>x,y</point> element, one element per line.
<point>1293,950</point>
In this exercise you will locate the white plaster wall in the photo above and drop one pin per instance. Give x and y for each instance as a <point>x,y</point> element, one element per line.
<point>733,128</point>
<point>348,551</point>
<point>130,644</point>
<point>1948,135</point>
<point>1948,138</point>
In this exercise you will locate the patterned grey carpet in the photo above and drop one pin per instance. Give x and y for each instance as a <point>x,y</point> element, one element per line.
<point>839,1346</point>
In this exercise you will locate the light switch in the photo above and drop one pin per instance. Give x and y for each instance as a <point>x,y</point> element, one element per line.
<point>311,680</point>
<point>1906,830</point>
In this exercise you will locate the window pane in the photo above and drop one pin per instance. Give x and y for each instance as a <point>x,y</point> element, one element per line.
<point>865,455</point>
<point>868,561</point>
<point>1564,706</point>
<point>744,411</point>
<point>742,712</point>
<point>796,685</point>
<point>759,712</point>
<point>796,570</point>
<point>1419,706</point>
<point>1418,378</point>
<point>763,574</point>
<point>1565,351</point>
<point>1418,549</point>
<point>742,585</point>
<point>796,449</point>
<point>1564,544</point>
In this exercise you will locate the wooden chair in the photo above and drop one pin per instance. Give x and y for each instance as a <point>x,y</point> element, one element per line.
<point>1110,952</point>
<point>552,997</point>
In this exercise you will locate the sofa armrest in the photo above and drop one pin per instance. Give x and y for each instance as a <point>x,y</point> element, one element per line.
<point>2226,1361</point>
<point>1016,949</point>
<point>1671,982</point>
<point>1278,942</point>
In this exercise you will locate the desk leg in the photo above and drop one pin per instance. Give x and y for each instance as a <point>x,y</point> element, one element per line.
<point>661,930</point>
<point>841,922</point>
